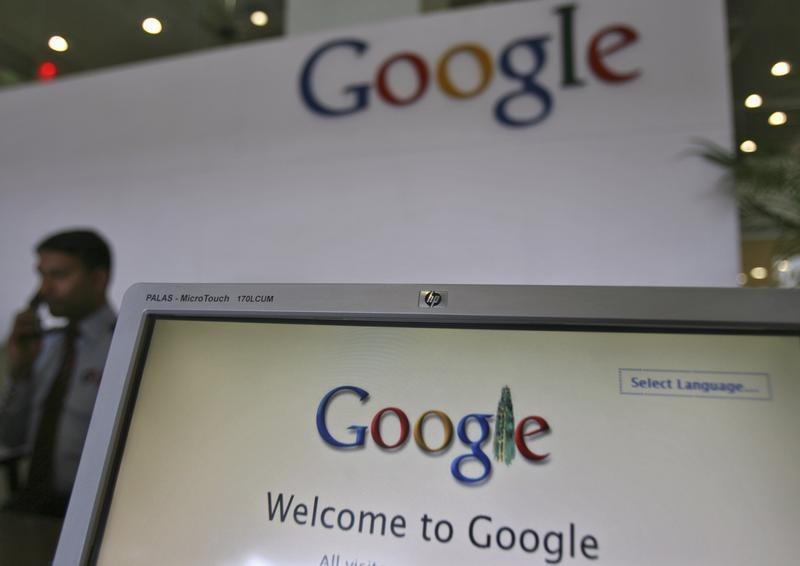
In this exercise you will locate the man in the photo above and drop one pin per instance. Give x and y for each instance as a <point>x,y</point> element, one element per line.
<point>54,375</point>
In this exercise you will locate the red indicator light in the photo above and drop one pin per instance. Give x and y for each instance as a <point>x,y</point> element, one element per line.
<point>47,71</point>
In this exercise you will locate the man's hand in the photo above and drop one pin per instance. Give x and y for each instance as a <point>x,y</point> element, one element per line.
<point>24,344</point>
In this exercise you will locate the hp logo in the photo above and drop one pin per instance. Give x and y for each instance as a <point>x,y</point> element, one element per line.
<point>432,299</point>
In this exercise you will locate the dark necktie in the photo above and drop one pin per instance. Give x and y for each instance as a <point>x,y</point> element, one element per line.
<point>40,476</point>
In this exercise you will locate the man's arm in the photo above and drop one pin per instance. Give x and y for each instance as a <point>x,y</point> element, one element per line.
<point>23,346</point>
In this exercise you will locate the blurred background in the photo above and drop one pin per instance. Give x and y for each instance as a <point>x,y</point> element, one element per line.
<point>44,40</point>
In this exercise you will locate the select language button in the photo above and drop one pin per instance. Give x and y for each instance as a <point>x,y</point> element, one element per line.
<point>695,383</point>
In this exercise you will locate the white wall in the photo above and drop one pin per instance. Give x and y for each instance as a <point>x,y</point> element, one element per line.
<point>210,168</point>
<point>303,16</point>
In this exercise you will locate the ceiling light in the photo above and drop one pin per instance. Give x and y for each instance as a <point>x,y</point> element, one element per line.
<point>259,18</point>
<point>783,266</point>
<point>748,146</point>
<point>781,69</point>
<point>753,101</point>
<point>759,273</point>
<point>741,279</point>
<point>777,119</point>
<point>58,43</point>
<point>152,26</point>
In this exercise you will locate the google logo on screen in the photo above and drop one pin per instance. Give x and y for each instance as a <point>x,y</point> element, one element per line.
<point>356,97</point>
<point>509,437</point>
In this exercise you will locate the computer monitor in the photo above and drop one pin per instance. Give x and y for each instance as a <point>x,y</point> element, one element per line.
<point>451,424</point>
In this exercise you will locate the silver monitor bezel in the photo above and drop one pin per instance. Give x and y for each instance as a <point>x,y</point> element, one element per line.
<point>756,311</point>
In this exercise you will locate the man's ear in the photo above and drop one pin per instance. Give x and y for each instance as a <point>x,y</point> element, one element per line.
<point>99,278</point>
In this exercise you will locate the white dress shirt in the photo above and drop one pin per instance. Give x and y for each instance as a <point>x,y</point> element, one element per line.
<point>22,401</point>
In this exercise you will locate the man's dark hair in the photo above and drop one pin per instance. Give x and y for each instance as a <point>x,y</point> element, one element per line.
<point>88,246</point>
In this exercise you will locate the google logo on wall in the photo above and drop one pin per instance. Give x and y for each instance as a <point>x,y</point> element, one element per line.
<point>471,467</point>
<point>356,97</point>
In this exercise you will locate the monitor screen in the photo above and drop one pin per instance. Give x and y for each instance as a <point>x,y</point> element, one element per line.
<point>355,436</point>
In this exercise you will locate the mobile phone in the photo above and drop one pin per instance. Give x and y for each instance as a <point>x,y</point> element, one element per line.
<point>46,319</point>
